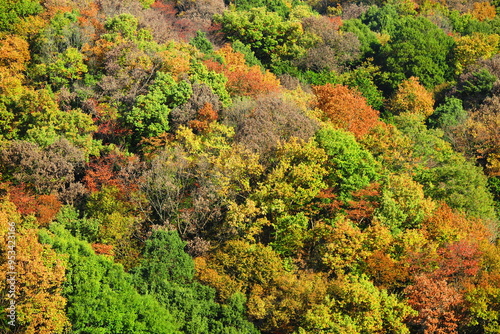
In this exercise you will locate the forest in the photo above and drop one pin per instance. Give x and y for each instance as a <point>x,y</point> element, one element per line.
<point>249,166</point>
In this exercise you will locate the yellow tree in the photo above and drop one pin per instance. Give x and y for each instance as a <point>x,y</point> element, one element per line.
<point>413,98</point>
<point>471,48</point>
<point>34,276</point>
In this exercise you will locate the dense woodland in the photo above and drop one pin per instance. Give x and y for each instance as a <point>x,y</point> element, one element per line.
<point>265,166</point>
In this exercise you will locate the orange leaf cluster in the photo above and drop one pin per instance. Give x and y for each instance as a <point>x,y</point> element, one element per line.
<point>446,226</point>
<point>103,249</point>
<point>43,207</point>
<point>110,170</point>
<point>204,118</point>
<point>484,11</point>
<point>346,108</point>
<point>242,79</point>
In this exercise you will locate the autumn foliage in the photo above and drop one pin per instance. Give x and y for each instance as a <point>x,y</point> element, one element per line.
<point>412,97</point>
<point>243,79</point>
<point>346,108</point>
<point>250,166</point>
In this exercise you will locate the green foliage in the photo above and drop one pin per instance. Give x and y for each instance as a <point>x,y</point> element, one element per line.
<point>448,114</point>
<point>164,261</point>
<point>270,36</point>
<point>403,204</point>
<point>250,57</point>
<point>357,306</point>
<point>124,24</point>
<point>66,68</point>
<point>61,33</point>
<point>367,38</point>
<point>380,19</point>
<point>201,42</point>
<point>295,180</point>
<point>480,82</point>
<point>494,187</point>
<point>418,48</point>
<point>83,228</point>
<point>149,116</point>
<point>279,6</point>
<point>13,11</point>
<point>36,117</point>
<point>319,78</point>
<point>101,297</point>
<point>167,273</point>
<point>350,166</point>
<point>216,81</point>
<point>289,234</point>
<point>363,79</point>
<point>115,216</point>
<point>466,24</point>
<point>445,174</point>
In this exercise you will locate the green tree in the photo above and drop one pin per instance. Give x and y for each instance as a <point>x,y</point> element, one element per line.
<point>149,116</point>
<point>270,36</point>
<point>167,273</point>
<point>445,174</point>
<point>357,306</point>
<point>403,204</point>
<point>448,114</point>
<point>418,48</point>
<point>350,167</point>
<point>101,296</point>
<point>368,39</point>
<point>66,68</point>
<point>13,11</point>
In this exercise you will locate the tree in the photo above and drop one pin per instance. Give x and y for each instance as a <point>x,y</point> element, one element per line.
<point>268,34</point>
<point>276,299</point>
<point>66,68</point>
<point>446,175</point>
<point>13,12</point>
<point>475,85</point>
<point>334,50</point>
<point>346,109</point>
<point>357,306</point>
<point>350,167</point>
<point>418,48</point>
<point>51,170</point>
<point>242,79</point>
<point>268,121</point>
<point>167,273</point>
<point>149,116</point>
<point>448,115</point>
<point>403,204</point>
<point>367,38</point>
<point>471,48</point>
<point>438,305</point>
<point>411,97</point>
<point>295,179</point>
<point>202,97</point>
<point>363,79</point>
<point>38,278</point>
<point>483,11</point>
<point>101,296</point>
<point>478,137</point>
<point>447,226</point>
<point>14,55</point>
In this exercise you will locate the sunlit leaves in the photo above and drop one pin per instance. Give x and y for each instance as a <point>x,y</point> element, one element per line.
<point>412,97</point>
<point>346,108</point>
